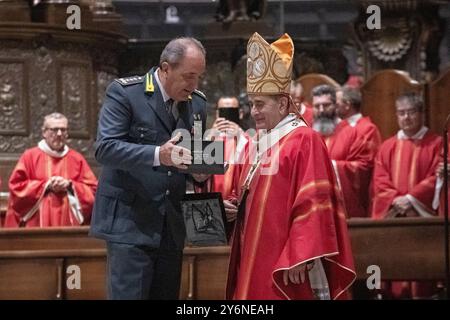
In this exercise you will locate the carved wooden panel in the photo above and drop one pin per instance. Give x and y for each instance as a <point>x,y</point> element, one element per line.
<point>74,99</point>
<point>309,81</point>
<point>379,94</point>
<point>14,108</point>
<point>438,104</point>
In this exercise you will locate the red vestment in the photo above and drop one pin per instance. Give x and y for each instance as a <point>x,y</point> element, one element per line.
<point>27,183</point>
<point>307,114</point>
<point>405,167</point>
<point>353,159</point>
<point>292,216</point>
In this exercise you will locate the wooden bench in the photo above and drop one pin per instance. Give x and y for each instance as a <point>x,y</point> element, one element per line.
<point>34,263</point>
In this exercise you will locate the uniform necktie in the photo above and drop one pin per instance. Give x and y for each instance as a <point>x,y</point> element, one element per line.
<point>170,111</point>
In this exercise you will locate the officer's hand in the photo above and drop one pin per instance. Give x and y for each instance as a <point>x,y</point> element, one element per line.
<point>231,209</point>
<point>174,156</point>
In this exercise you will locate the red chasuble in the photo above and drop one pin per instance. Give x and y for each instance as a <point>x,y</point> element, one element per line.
<point>370,134</point>
<point>307,114</point>
<point>353,159</point>
<point>292,216</point>
<point>405,167</point>
<point>27,183</point>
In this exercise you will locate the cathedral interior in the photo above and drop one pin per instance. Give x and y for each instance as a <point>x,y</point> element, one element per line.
<point>52,60</point>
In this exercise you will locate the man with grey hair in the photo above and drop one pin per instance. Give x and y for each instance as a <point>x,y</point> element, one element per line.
<point>137,207</point>
<point>351,157</point>
<point>51,185</point>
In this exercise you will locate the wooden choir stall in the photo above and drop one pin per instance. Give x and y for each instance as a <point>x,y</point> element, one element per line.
<point>65,263</point>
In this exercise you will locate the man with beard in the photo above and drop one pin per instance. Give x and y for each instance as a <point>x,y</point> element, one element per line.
<point>351,156</point>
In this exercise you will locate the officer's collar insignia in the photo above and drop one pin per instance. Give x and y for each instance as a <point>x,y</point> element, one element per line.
<point>130,80</point>
<point>149,87</point>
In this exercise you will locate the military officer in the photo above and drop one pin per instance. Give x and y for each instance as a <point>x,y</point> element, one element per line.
<point>137,206</point>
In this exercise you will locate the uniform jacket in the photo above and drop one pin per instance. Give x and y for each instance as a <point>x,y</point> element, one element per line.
<point>133,196</point>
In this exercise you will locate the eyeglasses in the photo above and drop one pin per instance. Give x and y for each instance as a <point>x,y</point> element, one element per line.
<point>410,112</point>
<point>55,130</point>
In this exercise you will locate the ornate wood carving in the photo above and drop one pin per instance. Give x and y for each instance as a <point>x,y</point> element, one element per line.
<point>44,69</point>
<point>408,39</point>
<point>73,92</point>
<point>14,108</point>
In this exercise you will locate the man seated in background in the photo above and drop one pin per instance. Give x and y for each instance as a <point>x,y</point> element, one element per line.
<point>51,185</point>
<point>404,179</point>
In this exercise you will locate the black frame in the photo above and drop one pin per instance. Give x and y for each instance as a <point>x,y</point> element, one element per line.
<point>200,230</point>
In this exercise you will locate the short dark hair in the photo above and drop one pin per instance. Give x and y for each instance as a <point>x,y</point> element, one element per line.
<point>412,98</point>
<point>324,89</point>
<point>352,96</point>
<point>175,50</point>
<point>228,96</point>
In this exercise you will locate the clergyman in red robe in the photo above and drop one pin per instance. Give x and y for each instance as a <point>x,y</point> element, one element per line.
<point>351,156</point>
<point>51,185</point>
<point>290,240</point>
<point>404,177</point>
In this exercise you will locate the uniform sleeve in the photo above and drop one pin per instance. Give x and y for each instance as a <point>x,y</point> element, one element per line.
<point>112,147</point>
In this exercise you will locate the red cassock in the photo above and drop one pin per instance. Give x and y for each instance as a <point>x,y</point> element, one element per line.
<point>307,114</point>
<point>405,167</point>
<point>370,134</point>
<point>27,183</point>
<point>353,158</point>
<point>292,216</point>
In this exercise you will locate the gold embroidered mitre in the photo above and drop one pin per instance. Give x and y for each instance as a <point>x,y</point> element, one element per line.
<point>269,66</point>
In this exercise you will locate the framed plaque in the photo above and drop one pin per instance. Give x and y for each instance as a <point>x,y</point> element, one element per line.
<point>207,157</point>
<point>204,218</point>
